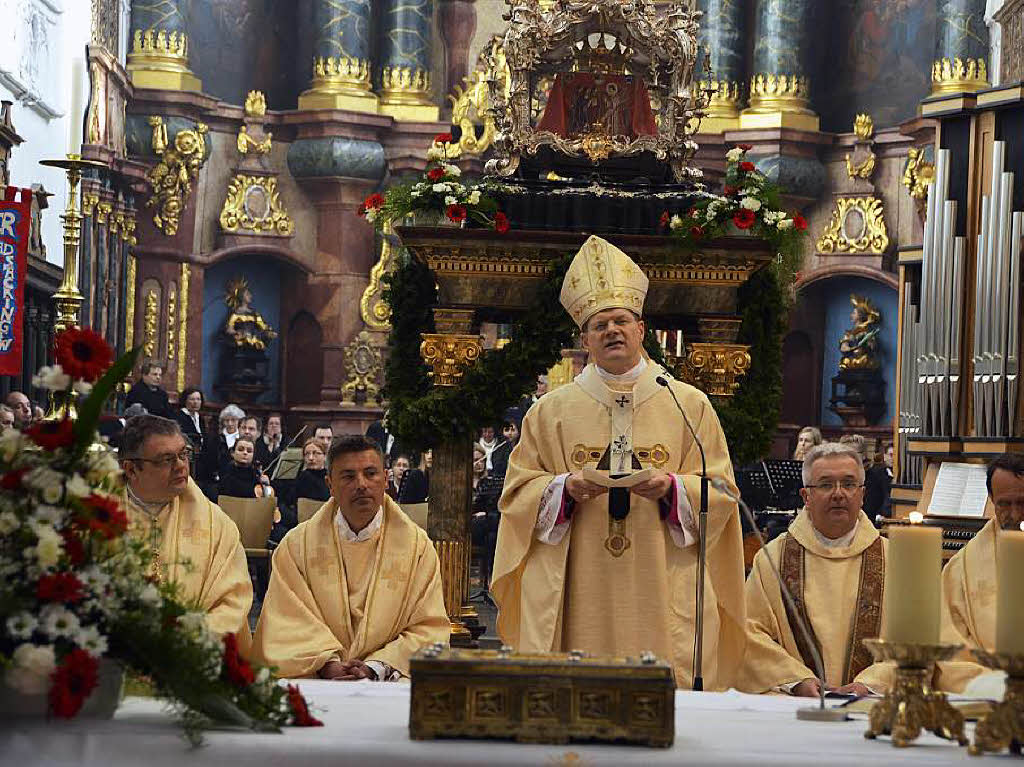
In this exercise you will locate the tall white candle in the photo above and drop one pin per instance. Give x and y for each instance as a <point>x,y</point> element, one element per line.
<point>679,343</point>
<point>1009,579</point>
<point>76,115</point>
<point>913,584</point>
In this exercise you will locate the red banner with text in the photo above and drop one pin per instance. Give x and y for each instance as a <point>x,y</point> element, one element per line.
<point>15,219</point>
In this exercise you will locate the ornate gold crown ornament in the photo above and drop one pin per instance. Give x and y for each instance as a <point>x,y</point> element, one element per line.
<point>958,75</point>
<point>340,82</point>
<point>159,60</point>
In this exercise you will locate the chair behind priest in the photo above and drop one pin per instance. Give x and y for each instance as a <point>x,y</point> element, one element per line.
<point>417,512</point>
<point>254,518</point>
<point>308,507</point>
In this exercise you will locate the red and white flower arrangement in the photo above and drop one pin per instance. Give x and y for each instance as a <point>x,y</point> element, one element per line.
<point>75,586</point>
<point>439,193</point>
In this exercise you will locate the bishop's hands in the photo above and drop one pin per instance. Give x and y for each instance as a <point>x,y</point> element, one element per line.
<point>655,488</point>
<point>580,489</point>
<point>346,671</point>
<point>811,688</point>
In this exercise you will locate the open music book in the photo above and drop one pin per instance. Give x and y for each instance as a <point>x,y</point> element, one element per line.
<point>959,491</point>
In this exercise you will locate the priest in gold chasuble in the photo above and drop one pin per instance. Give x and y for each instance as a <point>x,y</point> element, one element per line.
<point>356,589</point>
<point>580,566</point>
<point>832,561</point>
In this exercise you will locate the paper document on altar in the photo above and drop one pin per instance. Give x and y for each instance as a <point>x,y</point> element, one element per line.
<point>602,479</point>
<point>959,491</point>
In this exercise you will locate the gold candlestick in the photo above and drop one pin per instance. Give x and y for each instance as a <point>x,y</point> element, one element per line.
<point>912,705</point>
<point>1003,726</point>
<point>68,299</point>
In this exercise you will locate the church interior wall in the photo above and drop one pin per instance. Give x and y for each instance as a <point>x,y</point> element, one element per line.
<point>264,274</point>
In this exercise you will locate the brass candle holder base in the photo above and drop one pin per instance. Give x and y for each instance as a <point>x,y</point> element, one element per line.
<point>1003,727</point>
<point>912,705</point>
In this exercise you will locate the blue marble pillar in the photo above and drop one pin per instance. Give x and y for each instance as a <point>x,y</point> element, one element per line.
<point>779,84</point>
<point>158,57</point>
<point>722,38</point>
<point>961,47</point>
<point>342,52</point>
<point>406,36</point>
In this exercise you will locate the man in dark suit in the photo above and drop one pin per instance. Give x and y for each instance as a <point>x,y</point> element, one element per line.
<point>378,432</point>
<point>148,392</point>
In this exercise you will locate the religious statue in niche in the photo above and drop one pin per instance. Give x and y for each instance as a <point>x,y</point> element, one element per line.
<point>859,344</point>
<point>858,391</point>
<point>245,368</point>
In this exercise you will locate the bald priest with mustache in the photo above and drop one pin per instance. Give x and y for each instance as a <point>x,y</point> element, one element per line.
<point>614,572</point>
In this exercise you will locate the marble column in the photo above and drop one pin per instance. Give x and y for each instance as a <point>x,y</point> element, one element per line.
<point>158,52</point>
<point>342,54</point>
<point>961,47</point>
<point>722,38</point>
<point>406,37</point>
<point>457,24</point>
<point>779,84</point>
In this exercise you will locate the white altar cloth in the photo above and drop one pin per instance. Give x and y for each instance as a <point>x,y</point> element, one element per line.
<point>368,724</point>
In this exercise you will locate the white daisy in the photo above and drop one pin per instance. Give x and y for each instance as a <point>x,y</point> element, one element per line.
<point>57,621</point>
<point>751,203</point>
<point>22,625</point>
<point>91,640</point>
<point>9,522</point>
<point>52,378</point>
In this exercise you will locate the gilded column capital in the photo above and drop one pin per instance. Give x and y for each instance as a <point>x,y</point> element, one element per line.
<point>714,368</point>
<point>452,348</point>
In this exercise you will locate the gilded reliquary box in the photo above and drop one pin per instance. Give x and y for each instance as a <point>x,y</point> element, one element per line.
<point>541,698</point>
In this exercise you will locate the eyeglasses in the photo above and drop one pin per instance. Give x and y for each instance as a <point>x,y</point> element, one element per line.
<point>846,485</point>
<point>167,461</point>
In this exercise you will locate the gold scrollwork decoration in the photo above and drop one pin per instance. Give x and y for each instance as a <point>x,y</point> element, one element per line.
<point>172,319</point>
<point>917,175</point>
<point>89,203</point>
<point>375,312</point>
<point>171,179</point>
<point>714,368</point>
<point>247,144</point>
<point>103,211</point>
<point>864,129</point>
<point>129,305</point>
<point>253,205</point>
<point>150,323</point>
<point>255,104</point>
<point>857,226</point>
<point>364,365</point>
<point>471,102</point>
<point>448,355</point>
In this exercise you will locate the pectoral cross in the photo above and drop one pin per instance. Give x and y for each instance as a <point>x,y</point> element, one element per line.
<point>622,401</point>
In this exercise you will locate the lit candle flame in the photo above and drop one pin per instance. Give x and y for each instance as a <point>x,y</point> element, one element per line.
<point>1022,527</point>
<point>915,517</point>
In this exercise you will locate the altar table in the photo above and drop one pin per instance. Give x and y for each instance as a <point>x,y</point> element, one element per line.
<point>367,723</point>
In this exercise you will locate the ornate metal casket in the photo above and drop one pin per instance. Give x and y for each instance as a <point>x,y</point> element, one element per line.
<point>541,698</point>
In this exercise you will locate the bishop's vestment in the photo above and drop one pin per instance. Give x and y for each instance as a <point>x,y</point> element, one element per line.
<point>556,584</point>
<point>375,598</point>
<point>837,587</point>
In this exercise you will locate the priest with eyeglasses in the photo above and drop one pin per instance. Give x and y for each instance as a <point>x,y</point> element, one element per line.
<point>580,566</point>
<point>832,561</point>
<point>197,545</point>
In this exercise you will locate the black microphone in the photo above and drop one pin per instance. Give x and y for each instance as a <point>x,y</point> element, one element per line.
<point>698,653</point>
<point>820,714</point>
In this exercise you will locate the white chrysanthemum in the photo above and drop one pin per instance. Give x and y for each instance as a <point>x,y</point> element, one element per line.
<point>434,153</point>
<point>474,197</point>
<point>441,188</point>
<point>52,494</point>
<point>31,668</point>
<point>751,203</point>
<point>734,154</point>
<point>22,625</point>
<point>449,200</point>
<point>94,579</point>
<point>150,595</point>
<point>77,487</point>
<point>676,222</point>
<point>49,548</point>
<point>103,462</point>
<point>82,387</point>
<point>9,522</point>
<point>192,622</point>
<point>453,170</point>
<point>57,621</point>
<point>748,192</point>
<point>786,223</point>
<point>371,215</point>
<point>91,640</point>
<point>43,477</point>
<point>416,193</point>
<point>51,378</point>
<point>48,515</point>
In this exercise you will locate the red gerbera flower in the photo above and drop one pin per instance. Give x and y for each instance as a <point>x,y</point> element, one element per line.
<point>731,190</point>
<point>103,515</point>
<point>746,166</point>
<point>73,547</point>
<point>799,222</point>
<point>443,138</point>
<point>457,213</point>
<point>743,218</point>
<point>665,218</point>
<point>52,434</point>
<point>82,353</point>
<point>435,174</point>
<point>501,224</point>
<point>59,587</point>
<point>12,479</point>
<point>374,201</point>
<point>745,147</point>
<point>697,232</point>
<point>72,682</point>
<point>236,669</point>
<point>300,709</point>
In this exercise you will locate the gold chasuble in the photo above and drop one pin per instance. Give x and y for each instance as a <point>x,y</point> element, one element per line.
<point>378,599</point>
<point>200,550</point>
<point>838,590</point>
<point>571,592</point>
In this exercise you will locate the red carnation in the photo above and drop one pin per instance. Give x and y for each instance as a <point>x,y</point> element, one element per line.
<point>697,232</point>
<point>731,190</point>
<point>300,709</point>
<point>501,224</point>
<point>442,138</point>
<point>457,213</point>
<point>745,147</point>
<point>665,218</point>
<point>435,174</point>
<point>743,218</point>
<point>236,669</point>
<point>82,353</point>
<point>103,515</point>
<point>73,547</point>
<point>373,202</point>
<point>52,434</point>
<point>12,479</point>
<point>59,587</point>
<point>746,166</point>
<point>799,222</point>
<point>72,683</point>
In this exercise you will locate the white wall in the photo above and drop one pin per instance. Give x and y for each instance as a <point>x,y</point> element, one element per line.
<point>38,40</point>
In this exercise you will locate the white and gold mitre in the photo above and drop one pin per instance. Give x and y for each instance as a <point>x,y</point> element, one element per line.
<point>602,277</point>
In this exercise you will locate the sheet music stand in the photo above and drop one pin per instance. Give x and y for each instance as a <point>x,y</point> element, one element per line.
<point>289,464</point>
<point>786,477</point>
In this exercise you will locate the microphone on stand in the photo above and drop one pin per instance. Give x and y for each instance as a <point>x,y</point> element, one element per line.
<point>821,713</point>
<point>698,653</point>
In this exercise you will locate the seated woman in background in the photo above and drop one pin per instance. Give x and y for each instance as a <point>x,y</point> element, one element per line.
<point>809,436</point>
<point>240,479</point>
<point>311,482</point>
